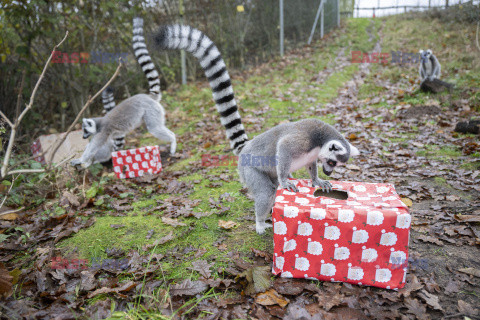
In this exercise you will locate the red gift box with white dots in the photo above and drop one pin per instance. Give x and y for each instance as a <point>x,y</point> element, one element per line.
<point>136,162</point>
<point>361,240</point>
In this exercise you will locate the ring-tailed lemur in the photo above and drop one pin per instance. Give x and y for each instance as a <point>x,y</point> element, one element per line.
<point>108,104</point>
<point>202,48</point>
<point>429,66</point>
<point>104,153</point>
<point>291,145</point>
<point>130,113</point>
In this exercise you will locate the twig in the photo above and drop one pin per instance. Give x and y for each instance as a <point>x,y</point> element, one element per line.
<point>476,37</point>
<point>6,119</point>
<point>11,211</point>
<point>19,97</point>
<point>14,126</point>
<point>90,100</point>
<point>8,192</point>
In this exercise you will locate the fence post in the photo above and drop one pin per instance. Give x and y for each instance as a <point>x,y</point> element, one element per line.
<point>282,34</point>
<point>182,52</point>
<point>320,9</point>
<point>338,13</point>
<point>321,24</point>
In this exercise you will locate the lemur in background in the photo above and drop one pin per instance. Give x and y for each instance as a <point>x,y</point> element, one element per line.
<point>104,153</point>
<point>291,145</point>
<point>429,66</point>
<point>130,113</point>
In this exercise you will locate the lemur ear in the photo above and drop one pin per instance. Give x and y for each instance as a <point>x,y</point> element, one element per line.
<point>88,122</point>
<point>421,51</point>
<point>334,147</point>
<point>353,151</point>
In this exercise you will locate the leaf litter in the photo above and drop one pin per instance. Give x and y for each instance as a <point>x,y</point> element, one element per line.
<point>443,269</point>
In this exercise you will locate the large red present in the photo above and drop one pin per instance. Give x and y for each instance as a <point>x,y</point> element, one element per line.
<point>362,239</point>
<point>136,162</point>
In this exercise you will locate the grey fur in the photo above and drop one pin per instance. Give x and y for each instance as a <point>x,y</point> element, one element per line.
<point>125,117</point>
<point>179,37</point>
<point>109,131</point>
<point>429,66</point>
<point>293,146</point>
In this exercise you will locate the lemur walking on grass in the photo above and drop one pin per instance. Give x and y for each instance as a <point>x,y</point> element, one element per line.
<point>293,145</point>
<point>132,112</point>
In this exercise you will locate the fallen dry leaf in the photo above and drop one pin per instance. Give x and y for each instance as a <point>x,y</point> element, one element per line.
<point>5,282</point>
<point>430,299</point>
<point>271,297</point>
<point>227,225</point>
<point>471,271</point>
<point>173,222</point>
<point>407,201</point>
<point>188,288</point>
<point>467,218</point>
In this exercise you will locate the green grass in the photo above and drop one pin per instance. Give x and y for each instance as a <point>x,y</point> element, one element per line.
<point>290,94</point>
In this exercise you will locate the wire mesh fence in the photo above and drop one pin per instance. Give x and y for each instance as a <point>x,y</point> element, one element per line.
<point>248,32</point>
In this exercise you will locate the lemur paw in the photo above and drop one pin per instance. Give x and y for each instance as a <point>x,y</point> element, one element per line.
<point>260,227</point>
<point>289,186</point>
<point>75,162</point>
<point>323,184</point>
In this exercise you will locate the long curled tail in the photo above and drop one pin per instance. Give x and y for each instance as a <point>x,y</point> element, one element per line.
<point>197,43</point>
<point>144,59</point>
<point>108,100</point>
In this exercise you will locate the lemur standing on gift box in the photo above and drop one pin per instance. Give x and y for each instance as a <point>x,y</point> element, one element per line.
<point>429,66</point>
<point>294,145</point>
<point>130,113</point>
<point>104,153</point>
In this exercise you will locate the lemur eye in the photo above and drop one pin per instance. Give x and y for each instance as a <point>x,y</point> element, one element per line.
<point>332,163</point>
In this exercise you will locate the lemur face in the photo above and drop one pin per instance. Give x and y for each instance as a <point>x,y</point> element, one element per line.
<point>335,152</point>
<point>425,55</point>
<point>89,128</point>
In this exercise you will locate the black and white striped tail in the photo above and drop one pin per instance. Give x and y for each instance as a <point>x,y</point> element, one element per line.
<point>119,143</point>
<point>108,104</point>
<point>143,58</point>
<point>108,100</point>
<point>197,43</point>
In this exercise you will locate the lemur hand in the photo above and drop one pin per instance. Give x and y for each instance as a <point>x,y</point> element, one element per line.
<point>75,162</point>
<point>289,186</point>
<point>324,184</point>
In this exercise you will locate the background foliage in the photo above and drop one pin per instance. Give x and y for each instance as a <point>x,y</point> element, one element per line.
<point>29,29</point>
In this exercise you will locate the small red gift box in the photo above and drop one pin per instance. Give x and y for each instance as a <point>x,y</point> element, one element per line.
<point>136,162</point>
<point>361,240</point>
<point>36,149</point>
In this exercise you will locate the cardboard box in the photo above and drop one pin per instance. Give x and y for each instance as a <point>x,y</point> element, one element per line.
<point>72,147</point>
<point>136,162</point>
<point>361,239</point>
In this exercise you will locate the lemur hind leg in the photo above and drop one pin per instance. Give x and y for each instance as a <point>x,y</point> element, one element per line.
<point>263,190</point>
<point>156,126</point>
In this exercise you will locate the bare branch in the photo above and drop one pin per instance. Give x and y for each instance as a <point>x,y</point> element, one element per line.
<point>90,100</point>
<point>30,104</point>
<point>8,192</point>
<point>11,211</point>
<point>476,36</point>
<point>19,97</point>
<point>15,125</point>
<point>25,171</point>
<point>6,119</point>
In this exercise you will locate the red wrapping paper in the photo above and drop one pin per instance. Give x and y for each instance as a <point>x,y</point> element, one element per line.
<point>361,240</point>
<point>136,162</point>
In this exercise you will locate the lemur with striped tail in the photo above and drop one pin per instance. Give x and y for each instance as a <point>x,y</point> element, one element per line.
<point>104,153</point>
<point>132,112</point>
<point>266,161</point>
